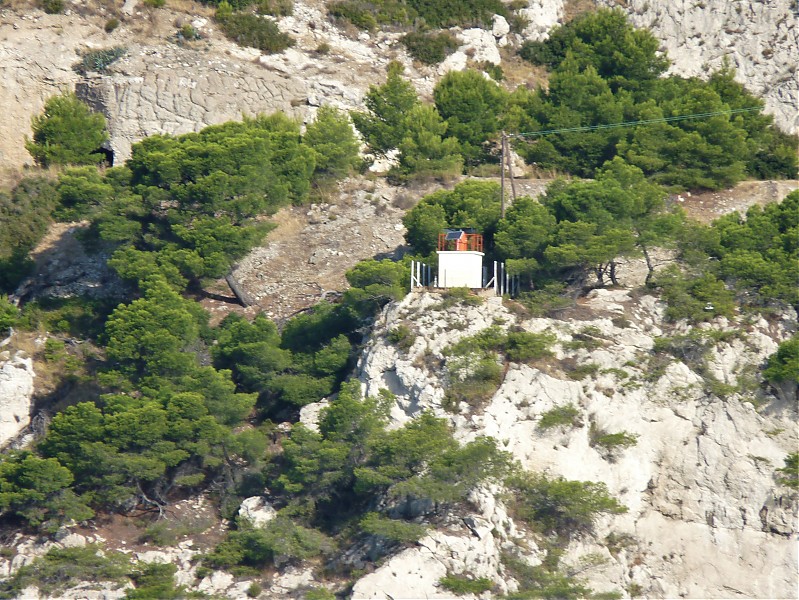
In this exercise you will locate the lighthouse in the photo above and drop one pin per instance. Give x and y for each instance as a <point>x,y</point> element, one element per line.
<point>460,258</point>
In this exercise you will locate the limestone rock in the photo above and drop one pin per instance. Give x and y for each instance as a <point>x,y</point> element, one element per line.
<point>16,393</point>
<point>257,511</point>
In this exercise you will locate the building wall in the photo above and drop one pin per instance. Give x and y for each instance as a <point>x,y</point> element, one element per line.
<point>460,269</point>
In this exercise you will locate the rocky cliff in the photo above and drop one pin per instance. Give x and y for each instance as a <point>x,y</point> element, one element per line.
<point>706,518</point>
<point>166,85</point>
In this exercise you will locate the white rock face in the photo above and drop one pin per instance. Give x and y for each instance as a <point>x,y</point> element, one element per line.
<point>16,393</point>
<point>257,511</point>
<point>705,516</point>
<point>542,15</point>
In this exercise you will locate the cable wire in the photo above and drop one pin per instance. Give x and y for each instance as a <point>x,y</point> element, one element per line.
<point>635,123</point>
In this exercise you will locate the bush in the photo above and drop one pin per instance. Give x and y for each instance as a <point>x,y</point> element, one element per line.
<point>155,3</point>
<point>98,61</point>
<point>392,529</point>
<point>561,416</point>
<point>523,346</point>
<point>62,568</point>
<point>694,298</point>
<point>111,24</point>
<point>52,7</point>
<point>558,505</point>
<point>789,474</point>
<point>402,337</point>
<point>155,580</point>
<point>276,8</point>
<point>783,365</point>
<point>248,29</point>
<point>461,585</point>
<point>544,302</point>
<point>611,441</point>
<point>67,132</point>
<point>357,13</point>
<point>430,48</point>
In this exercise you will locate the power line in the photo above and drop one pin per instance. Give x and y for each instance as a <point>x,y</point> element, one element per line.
<point>634,123</point>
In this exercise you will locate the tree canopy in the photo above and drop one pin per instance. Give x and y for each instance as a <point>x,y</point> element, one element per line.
<point>67,132</point>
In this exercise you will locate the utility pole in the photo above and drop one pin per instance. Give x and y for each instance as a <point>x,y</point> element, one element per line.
<point>502,179</point>
<point>506,153</point>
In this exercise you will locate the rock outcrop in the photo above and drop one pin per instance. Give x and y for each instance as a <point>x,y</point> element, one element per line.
<point>705,519</point>
<point>16,392</point>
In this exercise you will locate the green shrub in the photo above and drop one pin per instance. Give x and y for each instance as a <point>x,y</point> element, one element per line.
<point>254,590</point>
<point>783,365</point>
<point>459,296</point>
<point>52,7</point>
<point>461,585</point>
<point>62,568</point>
<point>611,441</point>
<point>558,505</point>
<point>357,13</point>
<point>430,48</point>
<point>9,314</point>
<point>155,3</point>
<point>248,29</point>
<point>67,132</point>
<point>155,580</point>
<point>694,298</point>
<point>392,529</point>
<point>111,24</point>
<point>402,337</point>
<point>188,33</point>
<point>579,372</point>
<point>276,8</point>
<point>545,301</point>
<point>789,474</point>
<point>98,61</point>
<point>561,416</point>
<point>473,379</point>
<point>523,346</point>
<point>319,594</point>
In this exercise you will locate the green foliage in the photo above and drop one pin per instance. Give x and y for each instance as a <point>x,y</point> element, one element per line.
<point>24,218</point>
<point>474,204</point>
<point>606,41</point>
<point>611,441</point>
<point>248,29</point>
<point>461,585</point>
<point>789,474</point>
<point>560,506</point>
<point>472,379</point>
<point>9,314</point>
<point>561,416</point>
<point>186,207</point>
<point>155,3</point>
<point>319,594</point>
<point>98,61</point>
<point>605,72</point>
<point>37,490</point>
<point>355,12</point>
<point>276,8</point>
<point>67,132</point>
<point>471,106</point>
<point>392,529</point>
<point>464,13</point>
<point>111,24</point>
<point>543,581</point>
<point>425,152</point>
<point>696,298</point>
<point>62,568</point>
<point>385,122</point>
<point>430,48</point>
<point>280,539</point>
<point>783,365</point>
<point>155,580</point>
<point>401,336</point>
<point>334,142</point>
<point>52,7</point>
<point>545,301</point>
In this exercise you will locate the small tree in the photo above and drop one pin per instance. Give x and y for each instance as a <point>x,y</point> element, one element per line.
<point>67,132</point>
<point>334,142</point>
